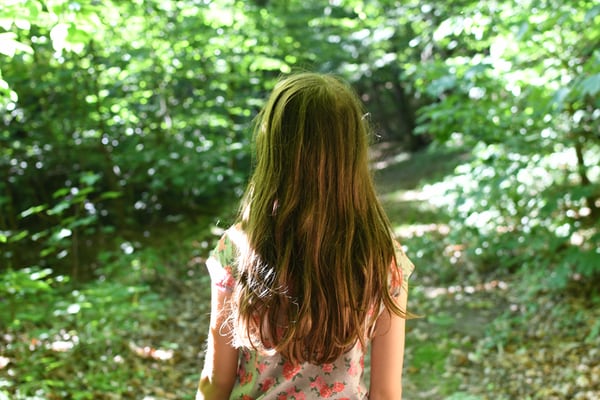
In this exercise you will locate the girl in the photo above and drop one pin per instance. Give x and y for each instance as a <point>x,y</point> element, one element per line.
<point>310,274</point>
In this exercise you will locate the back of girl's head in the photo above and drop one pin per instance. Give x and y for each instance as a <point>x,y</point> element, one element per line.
<point>319,244</point>
<point>311,139</point>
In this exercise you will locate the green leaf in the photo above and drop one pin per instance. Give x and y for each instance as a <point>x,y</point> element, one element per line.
<point>33,210</point>
<point>19,236</point>
<point>36,274</point>
<point>82,194</point>
<point>591,14</point>
<point>110,195</point>
<point>440,85</point>
<point>61,192</point>
<point>9,46</point>
<point>590,85</point>
<point>76,35</point>
<point>58,35</point>
<point>588,262</point>
<point>59,208</point>
<point>47,251</point>
<point>89,179</point>
<point>89,220</point>
<point>559,97</point>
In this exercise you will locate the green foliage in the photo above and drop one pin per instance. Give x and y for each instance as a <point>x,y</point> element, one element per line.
<point>64,331</point>
<point>523,95</point>
<point>129,326</point>
<point>18,288</point>
<point>119,115</point>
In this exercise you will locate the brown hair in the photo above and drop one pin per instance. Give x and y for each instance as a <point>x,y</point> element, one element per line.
<point>320,248</point>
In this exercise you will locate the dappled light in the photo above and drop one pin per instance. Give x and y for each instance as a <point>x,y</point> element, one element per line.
<point>126,144</point>
<point>417,230</point>
<point>458,290</point>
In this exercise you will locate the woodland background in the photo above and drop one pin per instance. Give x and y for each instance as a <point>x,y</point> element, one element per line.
<point>125,145</point>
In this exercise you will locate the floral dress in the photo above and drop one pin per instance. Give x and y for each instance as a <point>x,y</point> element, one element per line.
<point>269,376</point>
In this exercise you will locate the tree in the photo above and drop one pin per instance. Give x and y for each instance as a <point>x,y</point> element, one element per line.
<point>520,85</point>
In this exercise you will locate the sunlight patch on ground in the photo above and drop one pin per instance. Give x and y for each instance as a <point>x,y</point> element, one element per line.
<point>433,292</point>
<point>427,193</point>
<point>389,161</point>
<point>420,229</point>
<point>151,352</point>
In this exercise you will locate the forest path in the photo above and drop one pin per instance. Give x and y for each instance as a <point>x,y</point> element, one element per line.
<point>476,339</point>
<point>480,337</point>
<point>455,309</point>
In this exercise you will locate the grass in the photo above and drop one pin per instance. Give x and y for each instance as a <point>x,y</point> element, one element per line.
<point>480,338</point>
<point>133,332</point>
<point>137,330</point>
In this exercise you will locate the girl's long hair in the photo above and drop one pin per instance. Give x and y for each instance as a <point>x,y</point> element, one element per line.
<point>319,251</point>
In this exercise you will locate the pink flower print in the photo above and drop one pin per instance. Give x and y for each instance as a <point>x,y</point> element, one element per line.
<point>327,368</point>
<point>228,281</point>
<point>245,376</point>
<point>246,397</point>
<point>266,384</point>
<point>246,356</point>
<point>353,370</point>
<point>338,387</point>
<point>293,391</point>
<point>282,397</point>
<point>290,370</point>
<point>326,392</point>
<point>260,367</point>
<point>318,383</point>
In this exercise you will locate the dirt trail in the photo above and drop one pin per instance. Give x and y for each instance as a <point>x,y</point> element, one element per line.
<point>472,342</point>
<point>478,338</point>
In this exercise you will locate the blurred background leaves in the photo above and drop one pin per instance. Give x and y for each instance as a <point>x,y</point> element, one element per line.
<point>125,142</point>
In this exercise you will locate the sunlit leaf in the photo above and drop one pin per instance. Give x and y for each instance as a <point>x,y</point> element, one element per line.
<point>58,35</point>
<point>59,208</point>
<point>61,192</point>
<point>33,210</point>
<point>269,64</point>
<point>9,46</point>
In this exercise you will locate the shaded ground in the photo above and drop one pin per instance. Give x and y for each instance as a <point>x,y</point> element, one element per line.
<point>477,338</point>
<point>480,336</point>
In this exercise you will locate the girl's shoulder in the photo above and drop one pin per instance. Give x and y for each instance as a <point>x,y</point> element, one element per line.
<point>221,262</point>
<point>402,259</point>
<point>402,268</point>
<point>232,241</point>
